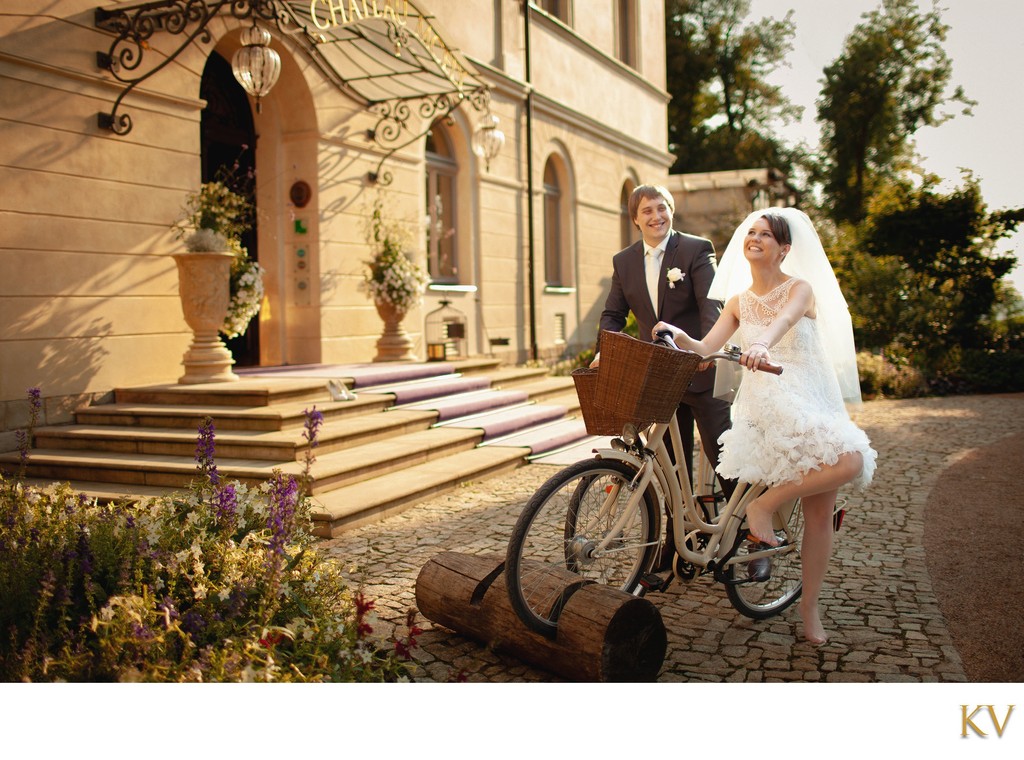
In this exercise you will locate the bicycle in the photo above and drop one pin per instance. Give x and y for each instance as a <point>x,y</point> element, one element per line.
<point>599,520</point>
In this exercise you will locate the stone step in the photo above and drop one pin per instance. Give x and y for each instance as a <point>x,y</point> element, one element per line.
<point>178,442</point>
<point>419,433</point>
<point>372,500</point>
<point>502,422</point>
<point>273,445</point>
<point>431,388</point>
<point>464,404</point>
<point>247,392</point>
<point>514,377</point>
<point>394,455</point>
<point>365,375</point>
<point>171,472</point>
<point>278,417</point>
<point>558,434</point>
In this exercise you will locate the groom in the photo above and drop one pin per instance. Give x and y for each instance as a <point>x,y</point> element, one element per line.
<point>666,276</point>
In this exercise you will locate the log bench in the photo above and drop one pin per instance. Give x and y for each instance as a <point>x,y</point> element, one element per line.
<point>603,634</point>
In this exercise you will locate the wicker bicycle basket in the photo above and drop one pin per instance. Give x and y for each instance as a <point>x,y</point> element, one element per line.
<point>637,382</point>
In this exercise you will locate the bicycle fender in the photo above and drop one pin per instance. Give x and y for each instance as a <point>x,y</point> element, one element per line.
<point>618,456</point>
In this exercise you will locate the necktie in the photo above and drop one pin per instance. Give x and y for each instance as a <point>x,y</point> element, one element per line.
<point>652,261</point>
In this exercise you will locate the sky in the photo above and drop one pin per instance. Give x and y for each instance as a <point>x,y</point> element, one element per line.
<point>985,43</point>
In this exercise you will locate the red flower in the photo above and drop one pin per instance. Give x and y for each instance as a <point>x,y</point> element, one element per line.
<point>272,639</point>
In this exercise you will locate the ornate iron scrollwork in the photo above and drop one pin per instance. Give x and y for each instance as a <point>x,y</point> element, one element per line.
<point>394,116</point>
<point>133,27</point>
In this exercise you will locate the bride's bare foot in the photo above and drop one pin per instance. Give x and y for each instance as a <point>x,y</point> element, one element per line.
<point>759,523</point>
<point>814,631</point>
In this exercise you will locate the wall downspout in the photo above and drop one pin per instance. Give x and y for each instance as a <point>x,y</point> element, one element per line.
<point>531,258</point>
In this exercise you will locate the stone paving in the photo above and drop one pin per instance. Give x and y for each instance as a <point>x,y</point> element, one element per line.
<point>879,605</point>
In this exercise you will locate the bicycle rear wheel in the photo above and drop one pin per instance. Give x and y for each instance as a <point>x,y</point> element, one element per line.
<point>763,599</point>
<point>554,547</point>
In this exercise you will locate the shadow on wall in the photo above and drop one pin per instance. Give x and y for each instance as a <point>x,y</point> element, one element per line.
<point>585,335</point>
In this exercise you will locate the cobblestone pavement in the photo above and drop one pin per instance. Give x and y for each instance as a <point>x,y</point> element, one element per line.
<point>879,605</point>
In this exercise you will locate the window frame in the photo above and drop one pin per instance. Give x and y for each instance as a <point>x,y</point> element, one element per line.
<point>627,45</point>
<point>441,178</point>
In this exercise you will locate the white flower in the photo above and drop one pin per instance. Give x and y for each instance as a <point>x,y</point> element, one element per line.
<point>674,275</point>
<point>246,296</point>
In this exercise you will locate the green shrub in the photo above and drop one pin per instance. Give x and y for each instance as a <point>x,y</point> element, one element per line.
<point>982,371</point>
<point>881,378</point>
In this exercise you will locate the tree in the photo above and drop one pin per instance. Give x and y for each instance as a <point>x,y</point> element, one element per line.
<point>889,81</point>
<point>922,274</point>
<point>722,107</point>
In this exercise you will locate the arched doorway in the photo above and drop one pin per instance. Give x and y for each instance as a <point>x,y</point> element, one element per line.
<point>228,147</point>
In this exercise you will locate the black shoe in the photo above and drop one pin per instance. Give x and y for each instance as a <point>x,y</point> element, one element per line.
<point>759,570</point>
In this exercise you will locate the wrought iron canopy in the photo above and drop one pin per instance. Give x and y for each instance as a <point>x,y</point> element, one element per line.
<point>384,54</point>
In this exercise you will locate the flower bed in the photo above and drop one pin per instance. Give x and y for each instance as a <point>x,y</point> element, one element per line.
<point>222,582</point>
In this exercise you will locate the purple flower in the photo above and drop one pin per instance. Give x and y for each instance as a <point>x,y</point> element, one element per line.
<point>24,437</point>
<point>314,420</point>
<point>225,501</point>
<point>193,622</point>
<point>205,451</point>
<point>284,496</point>
<point>21,437</point>
<point>168,609</point>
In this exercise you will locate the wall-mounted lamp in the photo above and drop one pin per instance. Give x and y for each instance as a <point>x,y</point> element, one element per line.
<point>488,139</point>
<point>256,65</point>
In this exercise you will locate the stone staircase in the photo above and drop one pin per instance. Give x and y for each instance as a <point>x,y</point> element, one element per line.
<point>411,431</point>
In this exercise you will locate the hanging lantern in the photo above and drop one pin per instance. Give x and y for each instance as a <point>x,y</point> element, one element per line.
<point>256,66</point>
<point>488,139</point>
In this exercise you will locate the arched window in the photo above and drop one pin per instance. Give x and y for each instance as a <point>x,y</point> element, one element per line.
<point>554,270</point>
<point>442,248</point>
<point>628,233</point>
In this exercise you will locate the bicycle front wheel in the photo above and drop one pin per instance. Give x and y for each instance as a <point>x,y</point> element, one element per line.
<point>578,528</point>
<point>760,599</point>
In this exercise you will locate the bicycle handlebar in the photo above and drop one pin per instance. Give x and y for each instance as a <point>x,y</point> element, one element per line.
<point>730,352</point>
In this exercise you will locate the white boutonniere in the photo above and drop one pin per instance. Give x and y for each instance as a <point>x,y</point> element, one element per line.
<point>674,275</point>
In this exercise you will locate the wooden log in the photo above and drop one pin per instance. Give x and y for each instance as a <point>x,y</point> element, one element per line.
<point>603,634</point>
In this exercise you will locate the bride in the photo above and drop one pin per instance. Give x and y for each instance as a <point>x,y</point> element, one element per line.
<point>790,431</point>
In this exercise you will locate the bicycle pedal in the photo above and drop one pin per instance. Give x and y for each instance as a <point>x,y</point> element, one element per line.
<point>653,582</point>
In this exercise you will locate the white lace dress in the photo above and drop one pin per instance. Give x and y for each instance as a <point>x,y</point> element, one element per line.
<point>785,425</point>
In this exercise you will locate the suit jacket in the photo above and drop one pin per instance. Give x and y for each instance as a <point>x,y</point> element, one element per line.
<point>686,305</point>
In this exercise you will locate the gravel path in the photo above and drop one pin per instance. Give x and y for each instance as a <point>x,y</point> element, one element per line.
<point>908,597</point>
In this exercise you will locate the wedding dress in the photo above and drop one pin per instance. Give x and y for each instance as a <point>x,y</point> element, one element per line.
<point>785,425</point>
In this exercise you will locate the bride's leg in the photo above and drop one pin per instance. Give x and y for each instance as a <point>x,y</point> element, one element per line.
<point>815,551</point>
<point>828,478</point>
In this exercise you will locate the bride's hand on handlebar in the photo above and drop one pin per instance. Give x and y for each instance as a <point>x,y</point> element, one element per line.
<point>756,356</point>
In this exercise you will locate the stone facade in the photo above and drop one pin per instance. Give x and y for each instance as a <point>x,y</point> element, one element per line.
<point>88,285</point>
<point>711,204</point>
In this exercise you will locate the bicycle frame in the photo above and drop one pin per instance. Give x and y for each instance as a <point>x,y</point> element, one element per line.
<point>671,483</point>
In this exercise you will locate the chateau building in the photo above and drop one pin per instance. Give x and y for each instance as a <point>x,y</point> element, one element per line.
<point>112,113</point>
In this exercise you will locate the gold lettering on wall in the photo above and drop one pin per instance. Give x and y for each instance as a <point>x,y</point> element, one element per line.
<point>358,10</point>
<point>397,12</point>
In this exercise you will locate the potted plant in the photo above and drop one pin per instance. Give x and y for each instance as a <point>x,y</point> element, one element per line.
<point>394,281</point>
<point>220,286</point>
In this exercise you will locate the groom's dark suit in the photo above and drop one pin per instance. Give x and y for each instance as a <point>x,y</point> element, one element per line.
<point>686,306</point>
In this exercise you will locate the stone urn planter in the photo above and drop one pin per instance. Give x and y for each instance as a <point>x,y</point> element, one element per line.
<point>204,285</point>
<point>394,344</point>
